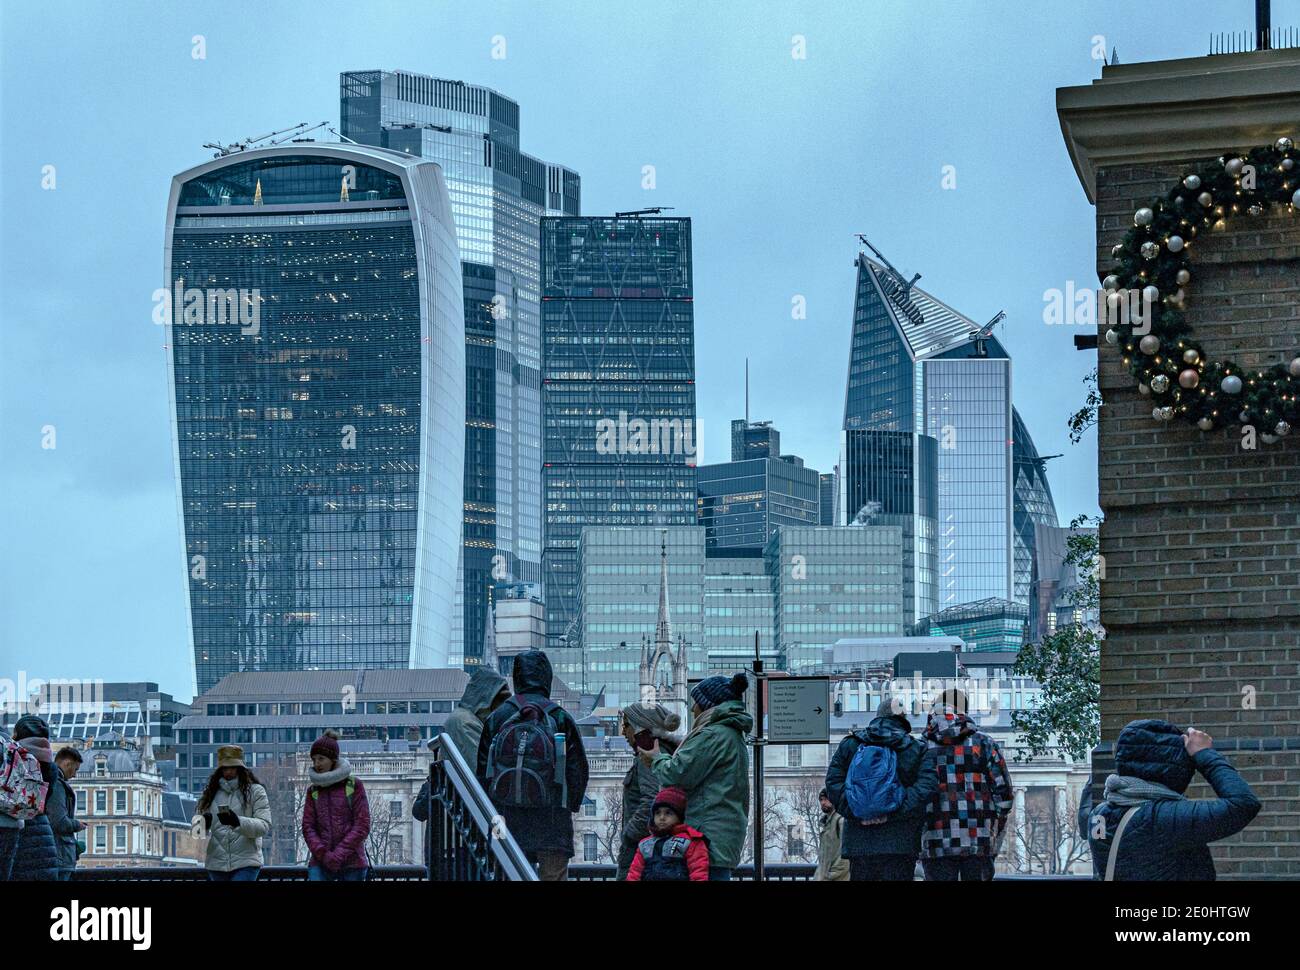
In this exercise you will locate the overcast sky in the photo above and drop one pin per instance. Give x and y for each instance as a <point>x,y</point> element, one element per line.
<point>778,160</point>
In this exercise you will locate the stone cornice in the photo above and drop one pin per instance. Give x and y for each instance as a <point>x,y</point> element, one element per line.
<point>1187,108</point>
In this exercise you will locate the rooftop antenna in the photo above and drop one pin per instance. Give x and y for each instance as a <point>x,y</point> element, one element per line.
<point>746,392</point>
<point>652,211</point>
<point>981,336</point>
<point>1263,25</point>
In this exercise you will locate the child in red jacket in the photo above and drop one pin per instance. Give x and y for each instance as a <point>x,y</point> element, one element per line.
<point>673,852</point>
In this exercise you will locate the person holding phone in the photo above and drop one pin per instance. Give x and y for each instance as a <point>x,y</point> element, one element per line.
<point>235,814</point>
<point>642,725</point>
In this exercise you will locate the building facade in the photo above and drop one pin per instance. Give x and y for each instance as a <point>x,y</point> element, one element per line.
<point>918,369</point>
<point>988,624</point>
<point>519,613</point>
<point>741,503</point>
<point>1193,618</point>
<point>130,710</point>
<point>313,319</point>
<point>754,439</point>
<point>618,388</point>
<point>829,497</point>
<point>498,196</point>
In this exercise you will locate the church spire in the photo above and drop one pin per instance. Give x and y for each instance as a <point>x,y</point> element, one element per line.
<point>663,629</point>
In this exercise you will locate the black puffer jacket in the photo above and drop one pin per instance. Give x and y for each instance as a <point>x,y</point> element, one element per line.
<point>538,829</point>
<point>1168,840</point>
<point>37,859</point>
<point>901,835</point>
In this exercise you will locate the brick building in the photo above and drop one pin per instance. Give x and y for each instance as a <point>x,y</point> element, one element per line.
<point>1201,540</point>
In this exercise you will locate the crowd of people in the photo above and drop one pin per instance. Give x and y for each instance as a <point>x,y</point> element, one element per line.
<point>893,799</point>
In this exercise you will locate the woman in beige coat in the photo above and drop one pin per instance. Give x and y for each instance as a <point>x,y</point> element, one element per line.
<point>235,813</point>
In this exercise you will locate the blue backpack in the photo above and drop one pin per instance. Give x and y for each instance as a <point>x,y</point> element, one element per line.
<point>871,787</point>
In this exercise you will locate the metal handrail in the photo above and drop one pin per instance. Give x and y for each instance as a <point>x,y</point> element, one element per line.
<point>474,824</point>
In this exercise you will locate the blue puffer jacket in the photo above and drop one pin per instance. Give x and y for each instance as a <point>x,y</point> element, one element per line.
<point>1169,840</point>
<point>37,859</point>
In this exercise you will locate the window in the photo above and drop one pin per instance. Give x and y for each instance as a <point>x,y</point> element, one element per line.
<point>119,801</point>
<point>101,840</point>
<point>101,766</point>
<point>590,851</point>
<point>101,802</point>
<point>119,839</point>
<point>793,842</point>
<point>395,808</point>
<point>588,808</point>
<point>795,757</point>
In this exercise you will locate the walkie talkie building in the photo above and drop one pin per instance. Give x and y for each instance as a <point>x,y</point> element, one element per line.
<point>315,330</point>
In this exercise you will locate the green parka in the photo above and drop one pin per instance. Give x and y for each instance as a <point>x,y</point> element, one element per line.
<point>712,766</point>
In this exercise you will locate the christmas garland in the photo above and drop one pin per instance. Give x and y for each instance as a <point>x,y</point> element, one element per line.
<point>1152,264</point>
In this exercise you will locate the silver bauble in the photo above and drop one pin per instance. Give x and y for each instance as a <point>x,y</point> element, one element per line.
<point>1166,413</point>
<point>1269,439</point>
<point>1175,244</point>
<point>1150,294</point>
<point>1188,379</point>
<point>1256,210</point>
<point>1205,199</point>
<point>1112,337</point>
<point>1282,429</point>
<point>1143,217</point>
<point>1159,384</point>
<point>1284,144</point>
<point>1150,250</point>
<point>1293,368</point>
<point>1205,424</point>
<point>1233,166</point>
<point>1183,277</point>
<point>1111,283</point>
<point>1116,251</point>
<point>1288,164</point>
<point>1295,199</point>
<point>1143,390</point>
<point>1191,355</point>
<point>1149,344</point>
<point>1192,182</point>
<point>1231,384</point>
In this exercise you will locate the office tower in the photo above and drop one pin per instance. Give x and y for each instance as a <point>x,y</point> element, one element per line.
<point>741,503</point>
<point>618,387</point>
<point>927,383</point>
<point>1033,513</point>
<point>520,615</point>
<point>757,439</point>
<point>830,583</point>
<point>498,197</point>
<point>318,378</point>
<point>829,497</point>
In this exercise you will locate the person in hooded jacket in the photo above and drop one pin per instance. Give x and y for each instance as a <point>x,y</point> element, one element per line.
<point>1167,835</point>
<point>967,815</point>
<point>545,833</point>
<point>37,858</point>
<point>885,851</point>
<point>10,831</point>
<point>486,691</point>
<point>236,814</point>
<point>642,724</point>
<point>335,816</point>
<point>712,767</point>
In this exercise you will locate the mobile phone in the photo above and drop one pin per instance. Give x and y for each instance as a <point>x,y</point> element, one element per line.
<point>645,740</point>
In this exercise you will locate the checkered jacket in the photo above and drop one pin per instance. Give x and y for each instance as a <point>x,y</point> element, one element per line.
<point>968,812</point>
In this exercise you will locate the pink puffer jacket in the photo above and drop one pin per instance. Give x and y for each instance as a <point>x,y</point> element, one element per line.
<point>334,830</point>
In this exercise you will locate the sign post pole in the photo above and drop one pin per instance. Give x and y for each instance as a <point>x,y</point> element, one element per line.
<point>759,744</point>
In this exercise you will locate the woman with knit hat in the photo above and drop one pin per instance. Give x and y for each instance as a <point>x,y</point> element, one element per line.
<point>37,858</point>
<point>335,817</point>
<point>236,814</point>
<point>642,725</point>
<point>712,767</point>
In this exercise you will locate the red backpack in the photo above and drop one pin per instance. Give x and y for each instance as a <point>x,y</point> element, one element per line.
<point>525,766</point>
<point>22,786</point>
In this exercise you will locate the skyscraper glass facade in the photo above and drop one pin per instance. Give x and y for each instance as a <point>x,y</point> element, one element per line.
<point>988,624</point>
<point>1033,508</point>
<point>498,197</point>
<point>619,429</point>
<point>741,503</point>
<point>317,375</point>
<point>830,583</point>
<point>754,439</point>
<point>915,373</point>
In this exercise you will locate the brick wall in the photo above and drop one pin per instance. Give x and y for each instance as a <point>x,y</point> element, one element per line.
<point>1201,539</point>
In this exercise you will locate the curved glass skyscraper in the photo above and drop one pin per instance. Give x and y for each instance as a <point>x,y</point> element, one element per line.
<point>314,323</point>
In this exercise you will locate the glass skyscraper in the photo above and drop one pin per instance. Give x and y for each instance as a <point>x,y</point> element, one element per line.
<point>741,503</point>
<point>314,324</point>
<point>754,439</point>
<point>1033,510</point>
<point>498,197</point>
<point>618,387</point>
<point>928,435</point>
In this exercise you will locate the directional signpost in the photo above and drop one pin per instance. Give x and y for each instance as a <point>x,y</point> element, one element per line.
<point>798,710</point>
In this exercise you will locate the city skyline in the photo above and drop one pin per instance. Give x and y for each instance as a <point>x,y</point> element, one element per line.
<point>99,526</point>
